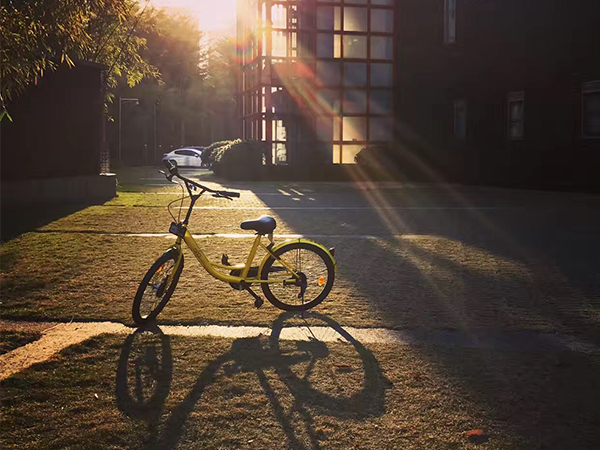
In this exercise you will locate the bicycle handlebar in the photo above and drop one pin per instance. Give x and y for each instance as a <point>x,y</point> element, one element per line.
<point>174,172</point>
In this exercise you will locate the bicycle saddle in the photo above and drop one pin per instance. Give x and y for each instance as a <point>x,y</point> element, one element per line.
<point>262,225</point>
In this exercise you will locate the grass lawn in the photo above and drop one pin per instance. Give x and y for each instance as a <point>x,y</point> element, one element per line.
<point>428,282</point>
<point>155,391</point>
<point>9,340</point>
<point>453,269</point>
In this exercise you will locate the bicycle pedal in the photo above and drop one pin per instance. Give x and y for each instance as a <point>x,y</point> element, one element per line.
<point>258,302</point>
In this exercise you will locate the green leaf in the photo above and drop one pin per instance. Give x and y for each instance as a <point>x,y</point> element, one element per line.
<point>4,114</point>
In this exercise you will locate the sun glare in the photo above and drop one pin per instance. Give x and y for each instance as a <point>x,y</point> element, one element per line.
<point>213,16</point>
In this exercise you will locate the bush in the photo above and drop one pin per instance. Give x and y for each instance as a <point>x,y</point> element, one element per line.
<point>240,160</point>
<point>208,156</point>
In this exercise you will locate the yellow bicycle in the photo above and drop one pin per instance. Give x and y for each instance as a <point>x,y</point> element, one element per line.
<point>294,275</point>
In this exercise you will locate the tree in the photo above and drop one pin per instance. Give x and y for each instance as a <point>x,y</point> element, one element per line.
<point>37,36</point>
<point>222,71</point>
<point>175,98</point>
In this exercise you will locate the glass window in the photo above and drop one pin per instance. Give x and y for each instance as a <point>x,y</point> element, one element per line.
<point>355,129</point>
<point>516,115</point>
<point>349,153</point>
<point>328,128</point>
<point>329,45</point>
<point>294,44</point>
<point>324,128</point>
<point>185,153</point>
<point>329,18</point>
<point>278,43</point>
<point>591,108</point>
<point>305,43</point>
<point>381,75</point>
<point>280,100</point>
<point>355,102</point>
<point>337,154</point>
<point>355,74</point>
<point>328,73</point>
<point>460,118</point>
<point>449,21</point>
<point>381,128</point>
<point>381,102</point>
<point>382,20</point>
<point>329,101</point>
<point>280,153</point>
<point>382,2</point>
<point>279,16</point>
<point>278,130</point>
<point>355,19</point>
<point>355,46</point>
<point>357,2</point>
<point>381,47</point>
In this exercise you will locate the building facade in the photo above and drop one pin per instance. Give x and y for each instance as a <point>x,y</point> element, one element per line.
<point>52,150</point>
<point>480,91</point>
<point>503,91</point>
<point>317,78</point>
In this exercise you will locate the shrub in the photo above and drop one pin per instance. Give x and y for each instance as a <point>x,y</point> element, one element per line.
<point>393,162</point>
<point>208,156</point>
<point>240,160</point>
<point>377,157</point>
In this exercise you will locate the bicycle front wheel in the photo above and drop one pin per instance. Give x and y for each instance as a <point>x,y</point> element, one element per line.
<point>308,285</point>
<point>156,288</point>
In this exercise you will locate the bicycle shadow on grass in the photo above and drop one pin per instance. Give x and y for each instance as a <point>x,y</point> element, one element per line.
<point>145,372</point>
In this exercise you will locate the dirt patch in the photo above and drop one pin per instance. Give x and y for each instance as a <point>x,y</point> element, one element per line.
<point>54,339</point>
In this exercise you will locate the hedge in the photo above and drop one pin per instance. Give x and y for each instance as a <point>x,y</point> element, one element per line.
<point>393,162</point>
<point>240,160</point>
<point>209,153</point>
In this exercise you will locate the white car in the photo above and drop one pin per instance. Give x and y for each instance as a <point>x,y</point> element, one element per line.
<point>186,157</point>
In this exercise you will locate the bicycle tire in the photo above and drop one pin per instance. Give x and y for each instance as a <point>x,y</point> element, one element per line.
<point>274,292</point>
<point>140,317</point>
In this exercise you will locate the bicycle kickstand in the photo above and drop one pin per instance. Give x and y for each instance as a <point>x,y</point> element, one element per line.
<point>258,302</point>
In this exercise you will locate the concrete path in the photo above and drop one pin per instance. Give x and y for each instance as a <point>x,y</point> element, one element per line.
<point>56,337</point>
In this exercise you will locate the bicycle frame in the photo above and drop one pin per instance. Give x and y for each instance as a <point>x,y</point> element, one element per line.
<point>212,267</point>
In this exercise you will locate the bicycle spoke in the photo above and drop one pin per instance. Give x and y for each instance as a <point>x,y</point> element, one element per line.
<point>306,262</point>
<point>151,297</point>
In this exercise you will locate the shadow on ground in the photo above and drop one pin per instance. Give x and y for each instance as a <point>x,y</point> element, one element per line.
<point>17,221</point>
<point>144,377</point>
<point>530,267</point>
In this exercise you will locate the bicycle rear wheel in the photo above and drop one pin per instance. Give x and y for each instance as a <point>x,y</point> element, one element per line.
<point>155,289</point>
<point>315,272</point>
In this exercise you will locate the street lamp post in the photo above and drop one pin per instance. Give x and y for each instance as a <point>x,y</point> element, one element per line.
<point>121,100</point>
<point>156,104</point>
